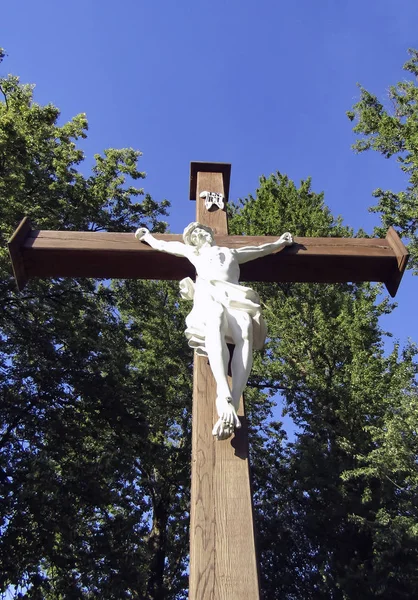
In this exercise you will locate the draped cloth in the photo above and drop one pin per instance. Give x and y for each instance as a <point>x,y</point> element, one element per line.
<point>208,295</point>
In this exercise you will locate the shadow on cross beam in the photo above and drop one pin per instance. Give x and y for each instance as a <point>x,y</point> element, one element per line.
<point>240,440</point>
<point>107,255</point>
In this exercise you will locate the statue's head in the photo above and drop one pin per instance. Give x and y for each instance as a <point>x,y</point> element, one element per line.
<point>195,234</point>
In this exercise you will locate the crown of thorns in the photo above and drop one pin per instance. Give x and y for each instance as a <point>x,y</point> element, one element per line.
<point>189,230</point>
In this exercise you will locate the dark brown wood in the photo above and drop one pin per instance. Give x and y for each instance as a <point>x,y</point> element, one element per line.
<point>402,256</point>
<point>106,255</point>
<point>223,559</point>
<point>16,244</point>
<point>119,255</point>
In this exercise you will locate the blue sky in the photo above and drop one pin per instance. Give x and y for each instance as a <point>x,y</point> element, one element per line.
<point>264,85</point>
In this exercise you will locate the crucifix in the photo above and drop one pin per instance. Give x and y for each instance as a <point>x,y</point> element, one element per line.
<point>223,559</point>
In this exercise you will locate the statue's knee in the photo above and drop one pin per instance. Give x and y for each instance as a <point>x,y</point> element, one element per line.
<point>215,321</point>
<point>247,328</point>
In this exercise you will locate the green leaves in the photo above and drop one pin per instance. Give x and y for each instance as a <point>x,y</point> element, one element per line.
<point>94,428</point>
<point>95,386</point>
<point>392,130</point>
<point>335,506</point>
<point>39,176</point>
<point>281,206</point>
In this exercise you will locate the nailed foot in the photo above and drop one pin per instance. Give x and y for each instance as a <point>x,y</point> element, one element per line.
<point>228,419</point>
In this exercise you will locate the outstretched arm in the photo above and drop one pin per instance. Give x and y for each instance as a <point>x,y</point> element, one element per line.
<point>247,253</point>
<point>177,248</point>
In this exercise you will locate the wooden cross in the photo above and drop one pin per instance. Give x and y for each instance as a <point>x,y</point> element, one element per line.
<point>223,560</point>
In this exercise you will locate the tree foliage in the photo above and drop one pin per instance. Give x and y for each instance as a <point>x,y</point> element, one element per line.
<point>94,429</point>
<point>336,506</point>
<point>95,385</point>
<point>392,130</point>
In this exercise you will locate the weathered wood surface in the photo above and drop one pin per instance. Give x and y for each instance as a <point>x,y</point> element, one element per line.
<point>223,559</point>
<point>224,169</point>
<point>120,255</point>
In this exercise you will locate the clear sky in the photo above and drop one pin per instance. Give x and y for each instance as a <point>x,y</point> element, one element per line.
<point>264,85</point>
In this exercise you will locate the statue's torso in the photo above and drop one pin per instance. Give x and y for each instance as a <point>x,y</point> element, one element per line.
<point>217,263</point>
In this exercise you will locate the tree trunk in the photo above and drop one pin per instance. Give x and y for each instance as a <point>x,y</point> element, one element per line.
<point>157,544</point>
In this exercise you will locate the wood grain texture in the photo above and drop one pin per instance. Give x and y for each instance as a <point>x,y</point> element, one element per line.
<point>202,504</point>
<point>236,565</point>
<point>223,560</point>
<point>120,255</point>
<point>214,218</point>
<point>205,167</point>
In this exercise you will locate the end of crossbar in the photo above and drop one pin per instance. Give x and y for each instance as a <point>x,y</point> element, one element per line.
<point>402,256</point>
<point>15,245</point>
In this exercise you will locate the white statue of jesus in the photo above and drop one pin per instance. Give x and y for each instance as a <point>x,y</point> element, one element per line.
<point>223,311</point>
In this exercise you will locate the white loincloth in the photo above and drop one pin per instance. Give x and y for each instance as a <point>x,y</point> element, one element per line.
<point>230,296</point>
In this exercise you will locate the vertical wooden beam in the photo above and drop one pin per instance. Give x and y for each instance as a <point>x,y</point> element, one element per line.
<point>223,561</point>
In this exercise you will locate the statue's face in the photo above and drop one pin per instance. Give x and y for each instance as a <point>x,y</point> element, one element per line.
<point>199,237</point>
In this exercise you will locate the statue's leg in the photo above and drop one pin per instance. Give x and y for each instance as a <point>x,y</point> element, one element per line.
<point>218,354</point>
<point>217,349</point>
<point>241,328</point>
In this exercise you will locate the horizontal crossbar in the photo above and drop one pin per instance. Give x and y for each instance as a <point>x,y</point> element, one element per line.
<point>119,255</point>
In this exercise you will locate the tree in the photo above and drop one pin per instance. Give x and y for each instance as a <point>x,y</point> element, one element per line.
<point>336,508</point>
<point>95,402</point>
<point>392,130</point>
<point>92,466</point>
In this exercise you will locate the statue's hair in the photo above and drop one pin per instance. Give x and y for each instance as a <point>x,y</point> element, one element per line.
<point>189,230</point>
